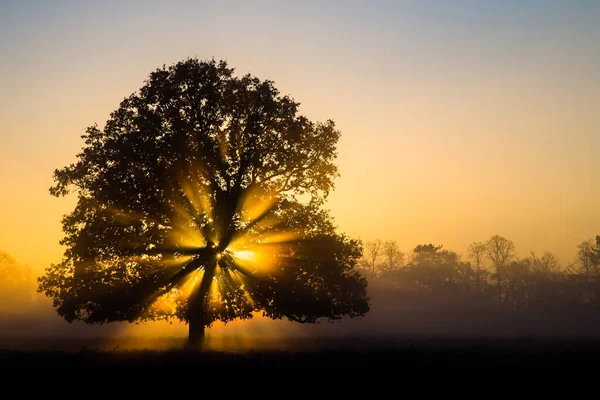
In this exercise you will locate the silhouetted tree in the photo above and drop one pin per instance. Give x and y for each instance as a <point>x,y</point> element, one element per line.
<point>393,256</point>
<point>535,281</point>
<point>435,269</point>
<point>544,267</point>
<point>547,279</point>
<point>585,255</point>
<point>517,282</point>
<point>202,199</point>
<point>499,250</point>
<point>371,256</point>
<point>477,253</point>
<point>589,266</point>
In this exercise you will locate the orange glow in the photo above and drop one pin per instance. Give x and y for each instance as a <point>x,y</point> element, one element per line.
<point>257,248</point>
<point>453,128</point>
<point>244,255</point>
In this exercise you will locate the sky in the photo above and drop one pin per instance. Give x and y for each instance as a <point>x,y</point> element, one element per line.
<point>459,119</point>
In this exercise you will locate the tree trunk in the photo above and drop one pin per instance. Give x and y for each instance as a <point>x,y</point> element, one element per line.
<point>197,303</point>
<point>499,287</point>
<point>196,333</point>
<point>478,279</point>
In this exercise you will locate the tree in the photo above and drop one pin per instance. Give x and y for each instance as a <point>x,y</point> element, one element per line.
<point>371,255</point>
<point>544,267</point>
<point>432,268</point>
<point>477,253</point>
<point>393,256</point>
<point>517,282</point>
<point>595,258</point>
<point>499,250</point>
<point>202,199</point>
<point>589,265</point>
<point>546,279</point>
<point>585,255</point>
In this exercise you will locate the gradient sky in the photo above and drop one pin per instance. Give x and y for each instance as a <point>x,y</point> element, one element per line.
<point>460,119</point>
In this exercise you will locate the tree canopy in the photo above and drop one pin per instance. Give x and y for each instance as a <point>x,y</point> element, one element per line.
<point>202,199</point>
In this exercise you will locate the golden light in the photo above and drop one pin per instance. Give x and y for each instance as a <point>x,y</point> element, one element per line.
<point>258,246</point>
<point>244,255</point>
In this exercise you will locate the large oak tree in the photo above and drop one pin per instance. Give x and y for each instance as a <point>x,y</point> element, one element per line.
<point>202,199</point>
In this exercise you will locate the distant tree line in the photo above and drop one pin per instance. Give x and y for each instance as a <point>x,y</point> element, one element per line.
<point>491,273</point>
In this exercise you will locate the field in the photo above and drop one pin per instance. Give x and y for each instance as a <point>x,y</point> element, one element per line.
<point>342,353</point>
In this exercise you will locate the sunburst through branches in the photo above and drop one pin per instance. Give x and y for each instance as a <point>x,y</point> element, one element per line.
<point>188,208</point>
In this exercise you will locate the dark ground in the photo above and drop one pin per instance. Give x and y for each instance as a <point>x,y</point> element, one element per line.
<point>340,353</point>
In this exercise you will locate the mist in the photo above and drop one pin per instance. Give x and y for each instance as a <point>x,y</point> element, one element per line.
<point>430,292</point>
<point>297,175</point>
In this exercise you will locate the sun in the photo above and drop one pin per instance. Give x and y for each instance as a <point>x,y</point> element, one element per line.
<point>206,252</point>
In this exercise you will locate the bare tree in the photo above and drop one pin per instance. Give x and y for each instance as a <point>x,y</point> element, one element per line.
<point>477,253</point>
<point>499,250</point>
<point>544,266</point>
<point>394,257</point>
<point>372,254</point>
<point>585,255</point>
<point>587,266</point>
